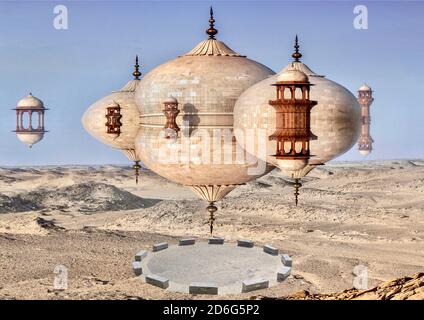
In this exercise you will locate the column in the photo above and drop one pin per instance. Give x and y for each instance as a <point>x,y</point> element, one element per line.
<point>30,119</point>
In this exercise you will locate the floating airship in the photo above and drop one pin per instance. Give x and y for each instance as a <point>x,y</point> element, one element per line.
<point>334,121</point>
<point>114,119</point>
<point>205,82</point>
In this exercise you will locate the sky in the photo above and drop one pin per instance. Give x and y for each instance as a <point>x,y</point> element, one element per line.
<point>70,69</point>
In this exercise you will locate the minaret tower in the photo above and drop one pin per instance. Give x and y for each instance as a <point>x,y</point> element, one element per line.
<point>365,99</point>
<point>293,120</point>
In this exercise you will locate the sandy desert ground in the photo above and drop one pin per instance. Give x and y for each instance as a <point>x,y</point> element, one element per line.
<point>93,219</point>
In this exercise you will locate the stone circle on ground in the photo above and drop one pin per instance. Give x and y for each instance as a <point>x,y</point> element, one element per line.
<point>213,267</point>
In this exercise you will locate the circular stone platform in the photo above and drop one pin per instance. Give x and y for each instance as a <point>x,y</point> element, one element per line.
<point>213,268</point>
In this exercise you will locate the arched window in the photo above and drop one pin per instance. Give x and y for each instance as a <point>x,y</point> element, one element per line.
<point>298,93</point>
<point>25,122</point>
<point>287,93</point>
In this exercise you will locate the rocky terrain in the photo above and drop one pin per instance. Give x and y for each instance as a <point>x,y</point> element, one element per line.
<point>406,288</point>
<point>92,219</point>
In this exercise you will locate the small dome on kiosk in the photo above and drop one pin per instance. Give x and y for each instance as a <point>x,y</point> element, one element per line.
<point>292,75</point>
<point>30,120</point>
<point>30,102</point>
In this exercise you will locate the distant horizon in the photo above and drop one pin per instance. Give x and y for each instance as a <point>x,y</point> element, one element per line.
<point>129,164</point>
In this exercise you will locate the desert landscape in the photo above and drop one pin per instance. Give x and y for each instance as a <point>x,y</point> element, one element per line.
<point>93,219</point>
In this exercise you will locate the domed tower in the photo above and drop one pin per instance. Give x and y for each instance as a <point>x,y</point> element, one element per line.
<point>30,120</point>
<point>205,82</point>
<point>335,120</point>
<point>293,122</point>
<point>113,120</point>
<point>365,99</point>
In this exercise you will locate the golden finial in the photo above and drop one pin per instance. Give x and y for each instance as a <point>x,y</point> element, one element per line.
<point>296,55</point>
<point>136,168</point>
<point>296,186</point>
<point>136,72</point>
<point>211,31</point>
<point>212,209</point>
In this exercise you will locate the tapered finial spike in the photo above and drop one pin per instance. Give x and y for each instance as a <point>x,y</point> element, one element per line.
<point>296,55</point>
<point>296,186</point>
<point>211,31</point>
<point>136,168</point>
<point>212,209</point>
<point>136,72</point>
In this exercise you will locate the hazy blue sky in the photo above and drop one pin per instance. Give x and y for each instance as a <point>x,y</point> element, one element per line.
<point>71,69</point>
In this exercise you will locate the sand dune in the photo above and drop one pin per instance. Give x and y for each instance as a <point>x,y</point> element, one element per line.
<point>83,197</point>
<point>92,219</point>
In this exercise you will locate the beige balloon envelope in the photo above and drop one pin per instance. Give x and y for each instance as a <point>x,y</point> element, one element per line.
<point>205,82</point>
<point>114,119</point>
<point>335,120</point>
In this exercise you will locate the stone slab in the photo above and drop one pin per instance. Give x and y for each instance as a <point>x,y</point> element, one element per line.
<point>187,242</point>
<point>283,273</point>
<point>203,288</point>
<point>157,281</point>
<point>216,241</point>
<point>254,284</point>
<point>225,266</point>
<point>287,260</point>
<point>270,250</point>
<point>137,268</point>
<point>140,255</point>
<point>245,243</point>
<point>160,246</point>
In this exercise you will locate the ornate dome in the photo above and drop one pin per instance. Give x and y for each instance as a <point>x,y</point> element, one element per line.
<point>30,102</point>
<point>206,81</point>
<point>364,152</point>
<point>212,47</point>
<point>30,138</point>
<point>292,74</point>
<point>364,87</point>
<point>206,86</point>
<point>95,118</point>
<point>170,99</point>
<point>335,120</point>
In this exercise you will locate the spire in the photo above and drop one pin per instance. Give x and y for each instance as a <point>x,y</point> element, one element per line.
<point>136,168</point>
<point>211,31</point>
<point>136,72</point>
<point>296,55</point>
<point>296,186</point>
<point>212,209</point>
